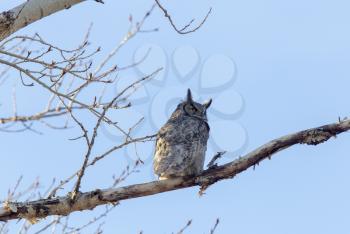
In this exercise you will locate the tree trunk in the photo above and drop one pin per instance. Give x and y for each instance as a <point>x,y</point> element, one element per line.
<point>29,12</point>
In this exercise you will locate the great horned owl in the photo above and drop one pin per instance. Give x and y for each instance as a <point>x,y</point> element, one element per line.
<point>182,141</point>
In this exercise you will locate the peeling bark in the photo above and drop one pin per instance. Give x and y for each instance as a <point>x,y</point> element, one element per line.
<point>34,210</point>
<point>29,12</point>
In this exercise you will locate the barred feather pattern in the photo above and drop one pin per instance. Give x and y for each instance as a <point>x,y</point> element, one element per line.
<point>181,144</point>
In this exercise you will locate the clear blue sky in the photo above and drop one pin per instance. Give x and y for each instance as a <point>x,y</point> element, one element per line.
<point>280,67</point>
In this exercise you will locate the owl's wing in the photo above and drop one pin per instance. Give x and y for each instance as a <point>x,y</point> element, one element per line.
<point>178,144</point>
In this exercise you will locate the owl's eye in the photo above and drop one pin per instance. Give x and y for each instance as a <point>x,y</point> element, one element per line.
<point>191,109</point>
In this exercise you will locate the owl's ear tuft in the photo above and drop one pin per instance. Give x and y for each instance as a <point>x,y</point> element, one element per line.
<point>189,97</point>
<point>207,103</point>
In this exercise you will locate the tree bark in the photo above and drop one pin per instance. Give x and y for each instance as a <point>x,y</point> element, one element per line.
<point>29,12</point>
<point>65,205</point>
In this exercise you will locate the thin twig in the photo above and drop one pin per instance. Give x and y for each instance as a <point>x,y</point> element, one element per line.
<point>183,29</point>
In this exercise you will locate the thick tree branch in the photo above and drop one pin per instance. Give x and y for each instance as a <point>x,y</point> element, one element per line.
<point>29,12</point>
<point>64,205</point>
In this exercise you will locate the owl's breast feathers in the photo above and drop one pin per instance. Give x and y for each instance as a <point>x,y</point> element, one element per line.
<point>187,130</point>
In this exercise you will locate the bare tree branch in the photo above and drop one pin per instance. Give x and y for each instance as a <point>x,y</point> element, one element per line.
<point>66,74</point>
<point>63,205</point>
<point>184,29</point>
<point>29,12</point>
<point>71,70</point>
<point>189,222</point>
<point>215,226</point>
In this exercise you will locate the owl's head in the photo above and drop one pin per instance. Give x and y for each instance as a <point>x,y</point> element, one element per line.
<point>195,109</point>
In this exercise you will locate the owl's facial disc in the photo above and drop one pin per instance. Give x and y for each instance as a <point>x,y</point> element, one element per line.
<point>195,109</point>
<point>191,109</point>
